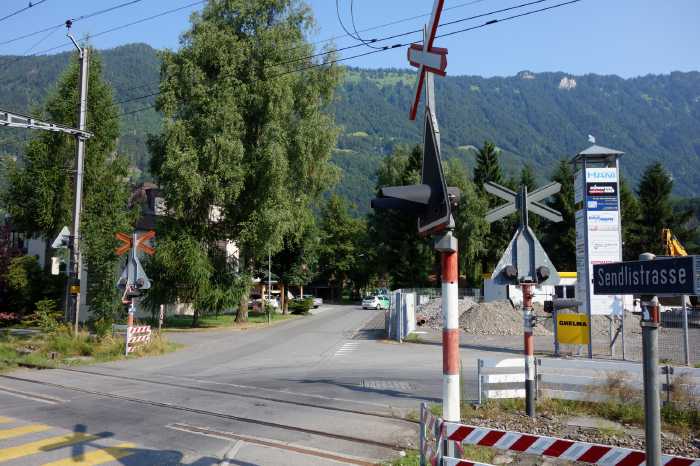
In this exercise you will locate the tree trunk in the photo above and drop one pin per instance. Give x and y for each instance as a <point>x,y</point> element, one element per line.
<point>301,291</point>
<point>195,318</point>
<point>283,298</point>
<point>242,314</point>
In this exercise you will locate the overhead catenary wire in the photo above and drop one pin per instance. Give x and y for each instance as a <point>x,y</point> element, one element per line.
<point>21,10</point>
<point>372,52</point>
<point>398,21</point>
<point>73,20</point>
<point>113,29</point>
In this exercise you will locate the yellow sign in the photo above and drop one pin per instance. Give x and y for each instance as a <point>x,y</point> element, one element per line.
<point>572,329</point>
<point>75,289</point>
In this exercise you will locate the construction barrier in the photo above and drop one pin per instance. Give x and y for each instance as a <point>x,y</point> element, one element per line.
<point>133,336</point>
<point>554,447</point>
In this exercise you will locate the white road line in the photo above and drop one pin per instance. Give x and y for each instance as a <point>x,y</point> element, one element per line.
<point>231,454</point>
<point>32,396</point>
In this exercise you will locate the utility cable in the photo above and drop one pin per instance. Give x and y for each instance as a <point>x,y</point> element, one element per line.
<point>398,21</point>
<point>116,28</point>
<point>372,52</point>
<point>394,36</point>
<point>72,20</point>
<point>415,31</point>
<point>31,5</point>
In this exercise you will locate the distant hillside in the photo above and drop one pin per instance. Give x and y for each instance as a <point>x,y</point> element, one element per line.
<point>536,118</point>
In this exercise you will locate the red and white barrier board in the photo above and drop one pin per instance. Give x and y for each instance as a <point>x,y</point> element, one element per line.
<point>137,335</point>
<point>555,447</point>
<point>457,462</point>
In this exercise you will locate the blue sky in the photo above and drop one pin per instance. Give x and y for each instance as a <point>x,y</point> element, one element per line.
<point>623,37</point>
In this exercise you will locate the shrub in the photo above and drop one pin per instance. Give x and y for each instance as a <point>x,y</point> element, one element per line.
<point>301,306</point>
<point>46,316</point>
<point>8,318</point>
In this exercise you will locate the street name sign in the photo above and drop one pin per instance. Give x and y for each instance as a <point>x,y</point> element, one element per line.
<point>671,276</point>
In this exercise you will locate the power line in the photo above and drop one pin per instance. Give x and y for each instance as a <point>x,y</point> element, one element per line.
<point>403,34</point>
<point>116,28</point>
<point>22,9</point>
<point>73,20</point>
<point>399,21</point>
<point>391,37</point>
<point>371,52</point>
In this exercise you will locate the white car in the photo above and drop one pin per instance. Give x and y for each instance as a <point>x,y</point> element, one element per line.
<point>317,301</point>
<point>375,302</point>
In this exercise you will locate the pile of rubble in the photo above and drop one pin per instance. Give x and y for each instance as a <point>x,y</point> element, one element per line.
<point>492,318</point>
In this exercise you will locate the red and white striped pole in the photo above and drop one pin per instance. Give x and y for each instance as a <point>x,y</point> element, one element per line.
<point>447,246</point>
<point>529,349</point>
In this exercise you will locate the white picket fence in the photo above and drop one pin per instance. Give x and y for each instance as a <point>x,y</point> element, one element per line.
<point>574,379</point>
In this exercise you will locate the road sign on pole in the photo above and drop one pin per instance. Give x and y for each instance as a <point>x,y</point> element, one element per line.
<point>671,276</point>
<point>427,58</point>
<point>431,201</point>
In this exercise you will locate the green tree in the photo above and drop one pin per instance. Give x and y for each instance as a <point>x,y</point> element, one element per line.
<point>488,167</point>
<point>471,228</point>
<point>401,255</point>
<point>245,147</point>
<point>656,210</point>
<point>296,264</point>
<point>559,239</point>
<point>340,238</point>
<point>629,216</point>
<point>39,196</point>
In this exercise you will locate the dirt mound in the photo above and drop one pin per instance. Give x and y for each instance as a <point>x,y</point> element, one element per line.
<point>492,318</point>
<point>497,318</point>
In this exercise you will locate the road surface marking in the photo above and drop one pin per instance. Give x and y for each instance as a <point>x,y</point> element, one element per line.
<point>5,420</point>
<point>104,455</point>
<point>22,430</point>
<point>348,347</point>
<point>52,443</point>
<point>231,454</point>
<point>269,443</point>
<point>31,396</point>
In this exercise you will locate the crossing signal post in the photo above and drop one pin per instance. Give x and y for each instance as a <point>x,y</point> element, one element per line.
<point>431,202</point>
<point>133,279</point>
<point>525,262</point>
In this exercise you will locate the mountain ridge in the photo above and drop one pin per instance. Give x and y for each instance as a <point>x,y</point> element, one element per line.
<point>536,118</point>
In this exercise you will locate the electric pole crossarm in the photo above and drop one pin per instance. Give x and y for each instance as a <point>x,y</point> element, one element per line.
<point>17,120</point>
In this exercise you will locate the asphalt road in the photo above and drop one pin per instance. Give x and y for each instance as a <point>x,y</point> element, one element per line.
<point>320,390</point>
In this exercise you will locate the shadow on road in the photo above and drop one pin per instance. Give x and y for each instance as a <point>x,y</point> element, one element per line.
<point>362,389</point>
<point>128,456</point>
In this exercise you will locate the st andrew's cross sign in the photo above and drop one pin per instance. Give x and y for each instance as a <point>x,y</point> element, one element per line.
<point>426,58</point>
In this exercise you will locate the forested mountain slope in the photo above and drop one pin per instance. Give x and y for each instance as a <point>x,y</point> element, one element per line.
<point>534,118</point>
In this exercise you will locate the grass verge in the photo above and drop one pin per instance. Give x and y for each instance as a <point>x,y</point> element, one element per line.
<point>64,348</point>
<point>676,417</point>
<point>222,321</point>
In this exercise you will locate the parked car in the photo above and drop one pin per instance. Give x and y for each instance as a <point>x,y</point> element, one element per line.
<point>256,302</point>
<point>317,301</point>
<point>376,302</point>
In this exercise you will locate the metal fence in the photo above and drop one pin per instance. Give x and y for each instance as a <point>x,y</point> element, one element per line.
<point>613,337</point>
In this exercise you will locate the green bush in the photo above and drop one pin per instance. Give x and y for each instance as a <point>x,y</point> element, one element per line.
<point>46,316</point>
<point>301,306</point>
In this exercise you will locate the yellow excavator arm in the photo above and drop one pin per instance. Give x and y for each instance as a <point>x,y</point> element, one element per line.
<point>672,246</point>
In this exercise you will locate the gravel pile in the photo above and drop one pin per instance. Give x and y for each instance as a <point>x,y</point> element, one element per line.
<point>432,311</point>
<point>492,318</point>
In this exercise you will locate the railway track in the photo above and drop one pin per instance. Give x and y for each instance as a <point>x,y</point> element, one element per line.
<point>246,395</point>
<point>370,442</point>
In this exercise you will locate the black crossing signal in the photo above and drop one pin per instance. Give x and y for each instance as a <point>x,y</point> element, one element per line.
<point>431,201</point>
